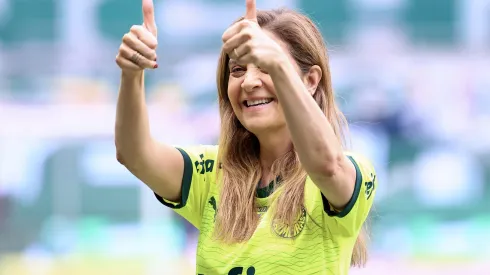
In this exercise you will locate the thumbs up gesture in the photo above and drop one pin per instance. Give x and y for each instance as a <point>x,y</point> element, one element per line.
<point>246,43</point>
<point>138,48</point>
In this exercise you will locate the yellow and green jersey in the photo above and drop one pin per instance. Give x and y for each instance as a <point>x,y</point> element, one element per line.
<point>322,241</point>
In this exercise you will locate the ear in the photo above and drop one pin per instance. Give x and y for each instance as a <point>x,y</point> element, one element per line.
<point>312,78</point>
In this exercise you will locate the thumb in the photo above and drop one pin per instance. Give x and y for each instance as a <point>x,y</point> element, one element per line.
<point>251,13</point>
<point>149,17</point>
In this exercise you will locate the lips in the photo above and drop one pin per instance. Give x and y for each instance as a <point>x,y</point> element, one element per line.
<point>257,102</point>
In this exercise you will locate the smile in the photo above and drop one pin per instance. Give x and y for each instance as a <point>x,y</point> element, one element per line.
<point>257,102</point>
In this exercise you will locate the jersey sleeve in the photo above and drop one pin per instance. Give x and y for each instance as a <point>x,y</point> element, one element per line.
<point>349,220</point>
<point>199,173</point>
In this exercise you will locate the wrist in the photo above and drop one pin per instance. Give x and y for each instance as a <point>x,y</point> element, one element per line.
<point>281,67</point>
<point>132,80</point>
<point>131,75</point>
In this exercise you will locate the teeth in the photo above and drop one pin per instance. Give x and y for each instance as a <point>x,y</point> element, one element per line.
<point>258,102</point>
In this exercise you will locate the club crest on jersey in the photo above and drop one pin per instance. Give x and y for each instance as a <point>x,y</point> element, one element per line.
<point>283,231</point>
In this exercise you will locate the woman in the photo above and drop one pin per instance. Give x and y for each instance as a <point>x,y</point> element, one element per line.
<point>278,195</point>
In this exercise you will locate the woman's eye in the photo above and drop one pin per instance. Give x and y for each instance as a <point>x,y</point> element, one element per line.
<point>264,71</point>
<point>236,69</point>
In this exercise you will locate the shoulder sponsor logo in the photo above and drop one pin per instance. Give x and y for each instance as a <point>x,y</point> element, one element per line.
<point>204,165</point>
<point>370,185</point>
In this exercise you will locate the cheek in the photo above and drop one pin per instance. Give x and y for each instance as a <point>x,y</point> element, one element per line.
<point>269,85</point>
<point>233,95</point>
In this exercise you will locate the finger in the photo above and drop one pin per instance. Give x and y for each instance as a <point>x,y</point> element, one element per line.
<point>241,51</point>
<point>144,36</point>
<point>235,29</point>
<point>149,17</point>
<point>244,60</point>
<point>126,64</point>
<point>132,56</point>
<point>251,13</point>
<point>132,41</point>
<point>236,41</point>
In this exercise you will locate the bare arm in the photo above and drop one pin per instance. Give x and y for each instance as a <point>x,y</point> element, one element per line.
<point>313,137</point>
<point>158,165</point>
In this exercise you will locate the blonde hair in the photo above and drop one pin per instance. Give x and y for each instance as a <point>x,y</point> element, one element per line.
<point>237,217</point>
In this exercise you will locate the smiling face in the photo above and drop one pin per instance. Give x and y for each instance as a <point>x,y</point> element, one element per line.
<point>253,97</point>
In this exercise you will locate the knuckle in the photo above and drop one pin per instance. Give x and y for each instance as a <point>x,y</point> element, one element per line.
<point>153,55</point>
<point>135,28</point>
<point>244,23</point>
<point>153,44</point>
<point>226,46</point>
<point>123,48</point>
<point>249,47</point>
<point>118,61</point>
<point>247,34</point>
<point>149,41</point>
<point>126,38</point>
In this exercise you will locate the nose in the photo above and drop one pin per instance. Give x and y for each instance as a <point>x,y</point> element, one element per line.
<point>251,80</point>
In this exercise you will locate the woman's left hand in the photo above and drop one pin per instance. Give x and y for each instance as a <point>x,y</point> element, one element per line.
<point>247,43</point>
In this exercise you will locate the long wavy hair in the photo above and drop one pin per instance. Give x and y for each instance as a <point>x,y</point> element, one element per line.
<point>237,217</point>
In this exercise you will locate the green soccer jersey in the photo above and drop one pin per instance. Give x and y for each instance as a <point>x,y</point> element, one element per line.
<point>322,241</point>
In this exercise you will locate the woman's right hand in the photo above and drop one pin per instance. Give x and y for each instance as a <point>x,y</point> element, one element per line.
<point>138,48</point>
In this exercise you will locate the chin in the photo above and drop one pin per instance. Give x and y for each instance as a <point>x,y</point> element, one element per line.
<point>262,118</point>
<point>259,125</point>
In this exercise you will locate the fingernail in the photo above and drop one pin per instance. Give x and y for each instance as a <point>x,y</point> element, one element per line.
<point>156,66</point>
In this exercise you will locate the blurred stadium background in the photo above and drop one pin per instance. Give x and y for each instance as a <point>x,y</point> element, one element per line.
<point>412,76</point>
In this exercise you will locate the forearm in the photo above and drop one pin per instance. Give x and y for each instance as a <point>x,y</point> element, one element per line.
<point>312,135</point>
<point>132,123</point>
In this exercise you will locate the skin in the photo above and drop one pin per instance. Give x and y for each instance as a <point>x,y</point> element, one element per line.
<point>261,68</point>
